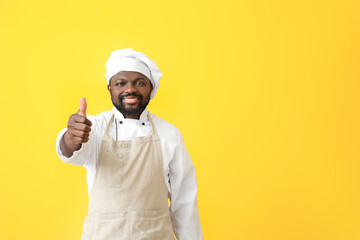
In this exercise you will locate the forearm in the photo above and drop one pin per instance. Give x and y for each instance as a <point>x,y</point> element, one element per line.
<point>185,213</point>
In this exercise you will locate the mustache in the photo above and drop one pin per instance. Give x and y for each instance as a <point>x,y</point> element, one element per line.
<point>130,94</point>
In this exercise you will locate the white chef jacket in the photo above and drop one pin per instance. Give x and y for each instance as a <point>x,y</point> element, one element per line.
<point>179,170</point>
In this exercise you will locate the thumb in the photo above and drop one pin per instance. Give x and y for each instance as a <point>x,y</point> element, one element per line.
<point>83,107</point>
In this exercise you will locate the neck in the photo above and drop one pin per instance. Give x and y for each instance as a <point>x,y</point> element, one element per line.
<point>131,117</point>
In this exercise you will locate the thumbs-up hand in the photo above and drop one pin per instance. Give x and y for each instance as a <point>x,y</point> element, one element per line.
<point>78,130</point>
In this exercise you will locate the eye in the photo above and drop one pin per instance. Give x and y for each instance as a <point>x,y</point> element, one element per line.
<point>140,83</point>
<point>120,83</point>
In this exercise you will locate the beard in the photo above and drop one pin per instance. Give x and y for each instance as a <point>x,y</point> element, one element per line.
<point>130,111</point>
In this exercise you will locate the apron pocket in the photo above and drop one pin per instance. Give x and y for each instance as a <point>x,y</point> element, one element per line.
<point>152,225</point>
<point>96,228</point>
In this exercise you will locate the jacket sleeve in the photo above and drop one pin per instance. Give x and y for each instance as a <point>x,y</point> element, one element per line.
<point>183,184</point>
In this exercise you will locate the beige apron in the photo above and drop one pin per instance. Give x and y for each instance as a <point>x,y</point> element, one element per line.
<point>129,198</point>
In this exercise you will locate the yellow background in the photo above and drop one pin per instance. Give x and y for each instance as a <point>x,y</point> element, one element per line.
<point>265,93</point>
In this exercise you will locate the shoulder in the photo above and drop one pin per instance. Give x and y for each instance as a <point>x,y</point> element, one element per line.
<point>104,117</point>
<point>100,120</point>
<point>165,129</point>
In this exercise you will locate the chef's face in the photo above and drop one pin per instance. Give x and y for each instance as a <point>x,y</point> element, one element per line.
<point>130,93</point>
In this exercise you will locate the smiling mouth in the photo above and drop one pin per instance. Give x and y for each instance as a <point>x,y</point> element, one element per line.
<point>131,100</point>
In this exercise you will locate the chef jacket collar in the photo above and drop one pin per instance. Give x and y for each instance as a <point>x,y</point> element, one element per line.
<point>119,116</point>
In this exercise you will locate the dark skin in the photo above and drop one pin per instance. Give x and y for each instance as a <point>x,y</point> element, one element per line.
<point>121,84</point>
<point>125,83</point>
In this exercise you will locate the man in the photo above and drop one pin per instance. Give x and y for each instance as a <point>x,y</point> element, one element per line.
<point>135,160</point>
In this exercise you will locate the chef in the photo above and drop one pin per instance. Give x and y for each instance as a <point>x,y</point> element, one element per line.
<point>135,161</point>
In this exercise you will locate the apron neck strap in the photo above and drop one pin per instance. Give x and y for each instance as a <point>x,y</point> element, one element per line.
<point>107,135</point>
<point>153,127</point>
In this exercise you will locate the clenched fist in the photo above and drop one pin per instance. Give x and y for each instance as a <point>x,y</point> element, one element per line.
<point>78,131</point>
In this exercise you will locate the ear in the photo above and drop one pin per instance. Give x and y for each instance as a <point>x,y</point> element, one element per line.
<point>109,85</point>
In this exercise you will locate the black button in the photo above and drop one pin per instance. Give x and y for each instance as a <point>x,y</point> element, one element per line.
<point>121,122</point>
<point>143,123</point>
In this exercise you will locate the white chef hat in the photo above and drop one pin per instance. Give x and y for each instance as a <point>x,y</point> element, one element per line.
<point>130,60</point>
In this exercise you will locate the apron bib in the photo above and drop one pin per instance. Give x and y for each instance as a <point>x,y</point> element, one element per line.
<point>129,198</point>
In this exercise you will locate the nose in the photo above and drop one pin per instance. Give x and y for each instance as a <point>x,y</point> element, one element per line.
<point>130,88</point>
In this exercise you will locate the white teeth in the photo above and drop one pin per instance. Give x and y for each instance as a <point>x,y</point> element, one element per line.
<point>130,100</point>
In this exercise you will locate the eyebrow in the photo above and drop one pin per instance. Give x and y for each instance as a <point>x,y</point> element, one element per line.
<point>139,78</point>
